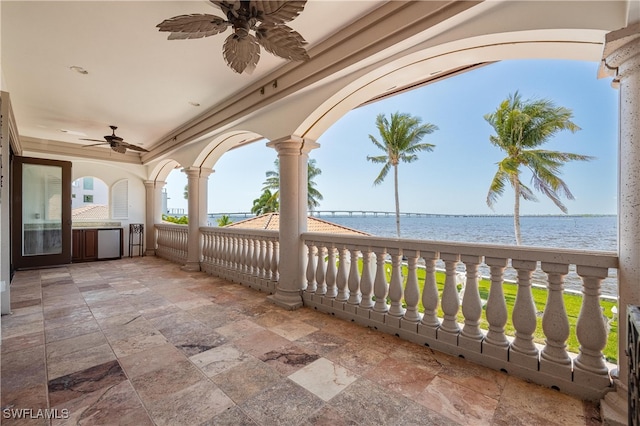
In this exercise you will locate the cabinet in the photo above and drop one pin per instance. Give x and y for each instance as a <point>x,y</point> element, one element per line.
<point>94,244</point>
<point>84,245</point>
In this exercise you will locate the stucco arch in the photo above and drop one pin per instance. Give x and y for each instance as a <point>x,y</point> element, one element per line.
<point>415,67</point>
<point>105,171</point>
<point>161,170</point>
<point>215,148</point>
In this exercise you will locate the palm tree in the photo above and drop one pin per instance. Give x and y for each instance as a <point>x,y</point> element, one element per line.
<point>224,220</point>
<point>400,142</point>
<point>521,127</point>
<point>267,203</point>
<point>313,195</point>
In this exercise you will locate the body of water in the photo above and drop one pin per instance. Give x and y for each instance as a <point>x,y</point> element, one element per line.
<point>568,232</point>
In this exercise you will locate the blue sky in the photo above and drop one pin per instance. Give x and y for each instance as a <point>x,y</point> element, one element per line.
<point>455,177</point>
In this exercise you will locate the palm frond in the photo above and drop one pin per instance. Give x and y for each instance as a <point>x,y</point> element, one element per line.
<point>383,174</point>
<point>379,159</point>
<point>496,189</point>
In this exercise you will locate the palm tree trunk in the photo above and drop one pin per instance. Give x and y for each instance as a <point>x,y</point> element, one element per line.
<point>395,179</point>
<point>516,212</point>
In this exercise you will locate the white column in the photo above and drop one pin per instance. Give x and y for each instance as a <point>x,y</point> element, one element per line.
<point>621,59</point>
<point>293,154</point>
<point>153,213</point>
<point>197,180</point>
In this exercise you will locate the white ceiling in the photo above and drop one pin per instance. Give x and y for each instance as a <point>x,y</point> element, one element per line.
<point>137,79</point>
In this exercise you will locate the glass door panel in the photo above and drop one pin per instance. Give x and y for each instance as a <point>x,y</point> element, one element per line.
<point>42,212</point>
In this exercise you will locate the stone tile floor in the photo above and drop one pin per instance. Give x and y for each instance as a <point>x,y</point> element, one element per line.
<point>138,341</point>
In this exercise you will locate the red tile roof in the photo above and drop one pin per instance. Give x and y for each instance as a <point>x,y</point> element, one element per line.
<point>92,211</point>
<point>271,221</point>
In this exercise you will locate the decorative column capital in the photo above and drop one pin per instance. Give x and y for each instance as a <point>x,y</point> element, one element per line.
<point>154,184</point>
<point>621,54</point>
<point>293,145</point>
<point>197,172</point>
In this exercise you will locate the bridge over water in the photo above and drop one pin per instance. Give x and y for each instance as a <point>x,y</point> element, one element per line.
<point>332,213</point>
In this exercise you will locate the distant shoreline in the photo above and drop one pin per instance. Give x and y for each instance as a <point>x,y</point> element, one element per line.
<point>367,213</point>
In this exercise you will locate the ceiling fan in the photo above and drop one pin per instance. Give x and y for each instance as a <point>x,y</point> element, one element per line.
<point>115,142</point>
<point>241,49</point>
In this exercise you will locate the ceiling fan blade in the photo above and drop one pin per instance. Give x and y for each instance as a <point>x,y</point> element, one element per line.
<point>96,144</point>
<point>92,140</point>
<point>278,12</point>
<point>282,41</point>
<point>193,26</point>
<point>132,147</point>
<point>241,53</point>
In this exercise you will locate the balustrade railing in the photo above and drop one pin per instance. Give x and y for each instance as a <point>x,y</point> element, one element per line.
<point>172,242</point>
<point>247,256</point>
<point>381,297</point>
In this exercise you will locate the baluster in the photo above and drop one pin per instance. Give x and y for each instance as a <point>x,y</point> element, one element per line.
<point>412,291</point>
<point>496,343</point>
<point>366,281</point>
<point>449,328</point>
<point>215,249</point>
<point>589,366</point>
<point>185,245</point>
<point>355,296</point>
<point>248,251</point>
<point>332,290</point>
<point>206,251</point>
<point>159,242</point>
<point>275,258</point>
<point>312,253</point>
<point>213,240</point>
<point>380,286</point>
<point>260,258</point>
<point>320,268</point>
<point>343,275</point>
<point>430,323</point>
<point>268,253</point>
<point>250,242</point>
<point>177,246</point>
<point>232,252</point>
<point>554,358</point>
<point>471,336</point>
<point>225,253</point>
<point>255,260</point>
<point>523,350</point>
<point>396,291</point>
<point>239,259</point>
<point>169,245</point>
<point>173,237</point>
<point>244,255</point>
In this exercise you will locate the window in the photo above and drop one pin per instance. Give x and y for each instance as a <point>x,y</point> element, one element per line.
<point>88,198</point>
<point>120,199</point>
<point>87,183</point>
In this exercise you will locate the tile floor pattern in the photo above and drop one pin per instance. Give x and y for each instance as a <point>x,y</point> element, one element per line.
<point>140,342</point>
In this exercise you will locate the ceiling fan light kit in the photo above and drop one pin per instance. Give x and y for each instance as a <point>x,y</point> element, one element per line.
<point>241,49</point>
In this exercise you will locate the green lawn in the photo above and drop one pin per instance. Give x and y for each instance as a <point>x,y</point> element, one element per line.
<point>572,304</point>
